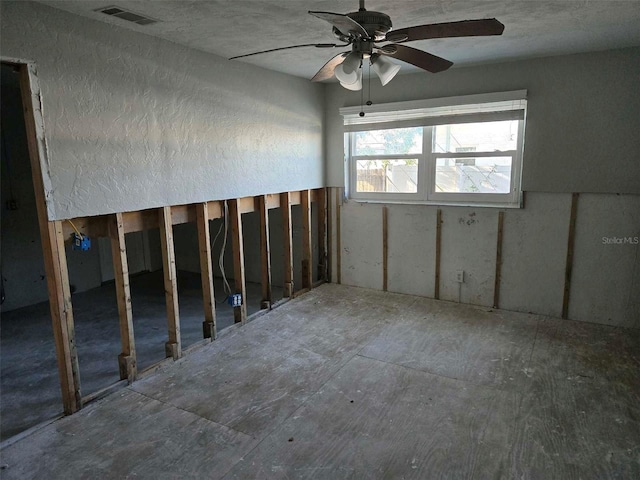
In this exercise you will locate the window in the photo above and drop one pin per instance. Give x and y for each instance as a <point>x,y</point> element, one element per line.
<point>447,151</point>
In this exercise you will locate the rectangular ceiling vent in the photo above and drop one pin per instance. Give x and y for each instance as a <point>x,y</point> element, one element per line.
<point>126,15</point>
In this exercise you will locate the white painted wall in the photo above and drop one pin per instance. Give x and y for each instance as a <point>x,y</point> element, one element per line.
<point>581,136</point>
<point>135,122</point>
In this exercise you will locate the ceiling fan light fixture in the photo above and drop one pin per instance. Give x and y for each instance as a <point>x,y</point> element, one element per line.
<point>385,69</point>
<point>355,86</point>
<point>347,71</point>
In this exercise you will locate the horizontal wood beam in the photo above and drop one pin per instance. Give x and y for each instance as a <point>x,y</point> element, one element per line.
<point>137,221</point>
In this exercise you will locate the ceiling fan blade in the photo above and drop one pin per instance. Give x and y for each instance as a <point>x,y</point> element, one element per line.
<point>342,22</point>
<point>424,60</point>
<point>317,45</point>
<point>327,71</point>
<point>465,28</point>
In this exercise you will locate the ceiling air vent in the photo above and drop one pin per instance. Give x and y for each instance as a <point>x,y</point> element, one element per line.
<point>126,15</point>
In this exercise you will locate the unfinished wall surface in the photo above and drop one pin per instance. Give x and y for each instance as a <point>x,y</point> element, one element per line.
<point>607,266</point>
<point>134,122</point>
<point>581,136</point>
<point>605,285</point>
<point>187,253</point>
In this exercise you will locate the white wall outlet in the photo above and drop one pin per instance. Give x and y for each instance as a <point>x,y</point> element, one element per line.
<point>460,276</point>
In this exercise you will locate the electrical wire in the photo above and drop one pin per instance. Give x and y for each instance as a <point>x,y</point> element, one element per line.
<point>227,288</point>
<point>77,231</point>
<point>225,225</point>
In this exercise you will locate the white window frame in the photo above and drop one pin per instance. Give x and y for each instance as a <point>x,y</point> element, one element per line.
<point>427,114</point>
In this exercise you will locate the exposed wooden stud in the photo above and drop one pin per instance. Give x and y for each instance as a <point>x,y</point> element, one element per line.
<point>206,271</point>
<point>307,253</point>
<point>385,251</point>
<point>436,292</point>
<point>329,236</point>
<point>265,253</point>
<point>235,218</point>
<point>569,262</point>
<point>55,260</point>
<point>287,241</point>
<point>126,359</point>
<point>498,275</point>
<point>338,239</point>
<point>173,347</point>
<point>321,206</point>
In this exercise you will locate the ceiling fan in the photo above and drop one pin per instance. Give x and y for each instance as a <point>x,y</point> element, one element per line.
<point>364,30</point>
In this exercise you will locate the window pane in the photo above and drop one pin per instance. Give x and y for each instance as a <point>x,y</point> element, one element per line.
<point>397,176</point>
<point>388,142</point>
<point>476,137</point>
<point>473,175</point>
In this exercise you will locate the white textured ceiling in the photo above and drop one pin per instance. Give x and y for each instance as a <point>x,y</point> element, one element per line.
<point>534,28</point>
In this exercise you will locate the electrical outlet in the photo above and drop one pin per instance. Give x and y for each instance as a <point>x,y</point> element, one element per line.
<point>460,276</point>
<point>80,242</point>
<point>235,300</point>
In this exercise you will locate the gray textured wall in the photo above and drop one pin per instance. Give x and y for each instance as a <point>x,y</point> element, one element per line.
<point>135,122</point>
<point>582,119</point>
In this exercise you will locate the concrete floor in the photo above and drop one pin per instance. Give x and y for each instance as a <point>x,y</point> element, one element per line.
<point>352,383</point>
<point>29,384</point>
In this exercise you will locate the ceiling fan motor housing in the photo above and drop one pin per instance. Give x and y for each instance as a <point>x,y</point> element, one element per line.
<point>377,24</point>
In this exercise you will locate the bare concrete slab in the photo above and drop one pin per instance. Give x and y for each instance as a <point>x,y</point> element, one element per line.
<point>127,436</point>
<point>378,420</point>
<point>349,383</point>
<point>477,344</point>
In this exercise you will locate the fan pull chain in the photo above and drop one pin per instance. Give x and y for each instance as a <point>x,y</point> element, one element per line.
<point>362,97</point>
<point>369,102</point>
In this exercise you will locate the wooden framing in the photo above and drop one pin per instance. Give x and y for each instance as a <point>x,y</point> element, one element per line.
<point>265,253</point>
<point>209,329</point>
<point>55,260</point>
<point>385,251</point>
<point>115,226</point>
<point>235,218</point>
<point>322,235</point>
<point>287,242</point>
<point>148,219</point>
<point>436,288</point>
<point>173,347</point>
<point>127,359</point>
<point>496,286</point>
<point>569,262</point>
<point>338,233</point>
<point>307,252</point>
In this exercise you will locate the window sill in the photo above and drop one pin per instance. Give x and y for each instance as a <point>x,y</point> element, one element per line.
<point>438,203</point>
